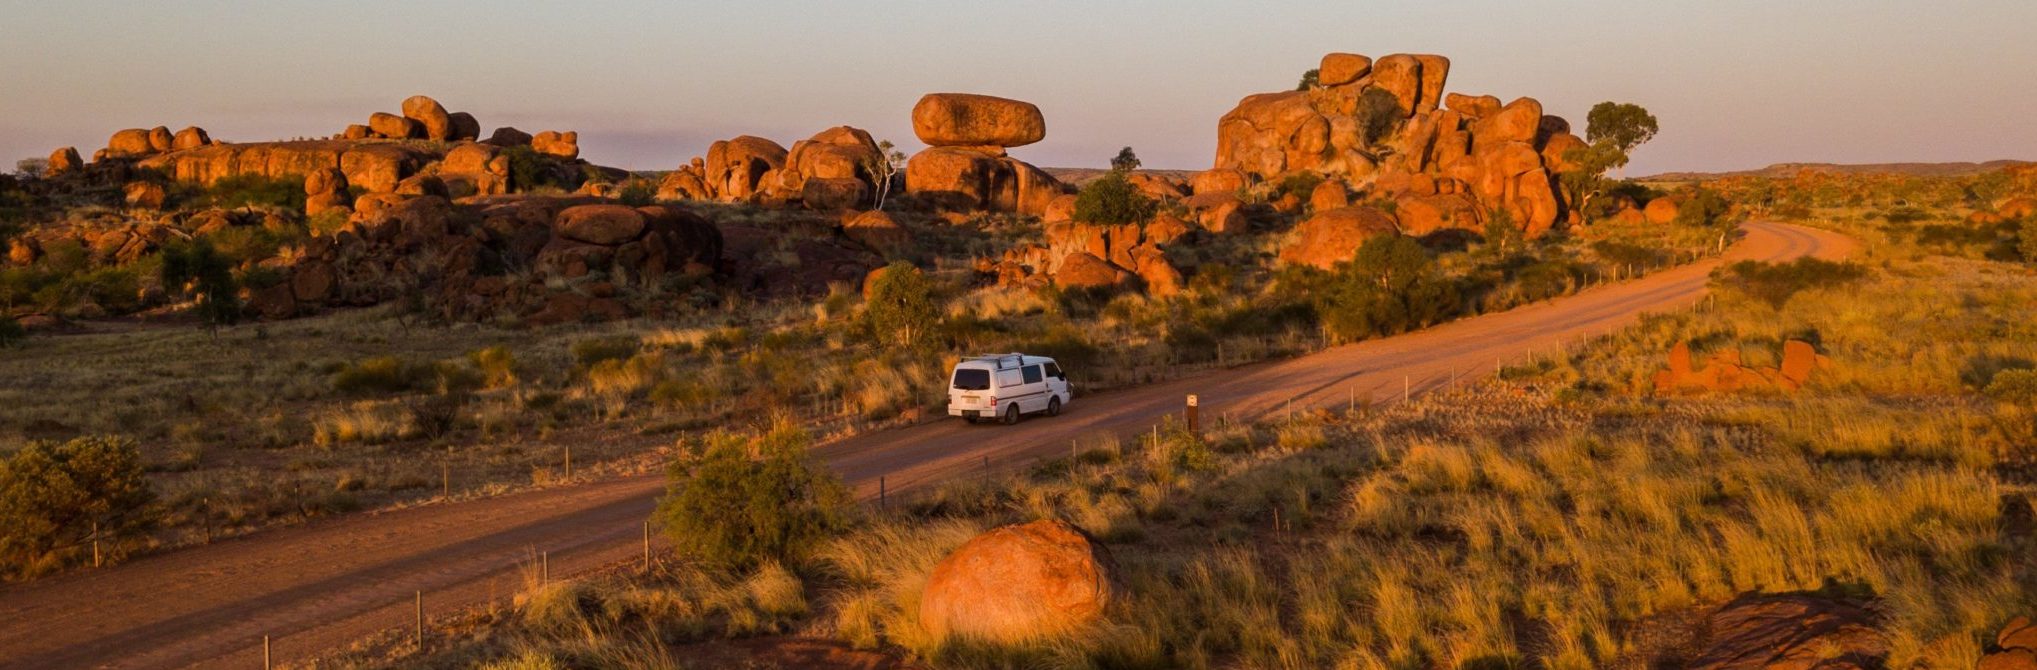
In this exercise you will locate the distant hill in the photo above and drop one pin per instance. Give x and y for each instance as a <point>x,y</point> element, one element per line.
<point>1791,169</point>
<point>1080,176</point>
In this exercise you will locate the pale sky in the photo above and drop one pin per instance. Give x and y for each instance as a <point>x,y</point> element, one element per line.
<point>1736,83</point>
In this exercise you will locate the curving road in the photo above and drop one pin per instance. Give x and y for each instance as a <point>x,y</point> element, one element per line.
<point>319,586</point>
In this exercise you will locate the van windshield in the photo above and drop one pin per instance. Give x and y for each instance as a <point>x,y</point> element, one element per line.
<point>970,379</point>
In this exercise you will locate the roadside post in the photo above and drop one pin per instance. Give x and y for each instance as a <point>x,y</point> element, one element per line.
<point>1194,424</point>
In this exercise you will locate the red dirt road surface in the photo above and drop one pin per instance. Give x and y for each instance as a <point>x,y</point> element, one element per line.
<point>316,587</point>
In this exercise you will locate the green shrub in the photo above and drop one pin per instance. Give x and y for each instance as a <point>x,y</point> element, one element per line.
<point>54,497</point>
<point>733,508</point>
<point>1390,287</point>
<point>1112,199</point>
<point>1775,283</point>
<point>497,366</point>
<point>1904,215</point>
<point>244,190</point>
<point>2016,387</point>
<point>1379,114</point>
<point>638,193</point>
<point>1301,184</point>
<point>2027,240</point>
<point>902,310</point>
<point>11,332</point>
<point>381,374</point>
<point>1703,208</point>
<point>210,276</point>
<point>530,170</point>
<point>593,350</point>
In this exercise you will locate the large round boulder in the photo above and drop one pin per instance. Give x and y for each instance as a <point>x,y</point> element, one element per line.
<point>563,145</point>
<point>161,139</point>
<point>606,225</point>
<point>1019,583</point>
<point>1333,237</point>
<point>129,142</point>
<point>65,159</point>
<point>429,115</point>
<point>191,137</point>
<point>967,119</point>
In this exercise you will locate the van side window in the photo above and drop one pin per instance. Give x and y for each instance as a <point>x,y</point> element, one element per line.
<point>1007,378</point>
<point>1054,370</point>
<point>1032,373</point>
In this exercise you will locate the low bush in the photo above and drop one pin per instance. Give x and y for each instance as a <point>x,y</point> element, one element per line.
<point>56,498</point>
<point>1112,199</point>
<point>1390,287</point>
<point>591,351</point>
<point>1775,283</point>
<point>245,190</point>
<point>745,502</point>
<point>11,332</point>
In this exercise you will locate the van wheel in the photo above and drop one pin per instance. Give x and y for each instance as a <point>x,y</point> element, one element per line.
<point>1054,406</point>
<point>1011,415</point>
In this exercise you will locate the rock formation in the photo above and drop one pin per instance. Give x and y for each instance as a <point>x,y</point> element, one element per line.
<point>965,166</point>
<point>1724,371</point>
<point>1791,631</point>
<point>1333,236</point>
<point>1496,157</point>
<point>835,169</point>
<point>2015,647</point>
<point>563,145</point>
<point>63,160</point>
<point>1019,583</point>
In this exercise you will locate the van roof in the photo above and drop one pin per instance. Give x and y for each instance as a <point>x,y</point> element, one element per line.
<point>1002,361</point>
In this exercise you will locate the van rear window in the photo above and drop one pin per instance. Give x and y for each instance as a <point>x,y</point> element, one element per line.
<point>968,379</point>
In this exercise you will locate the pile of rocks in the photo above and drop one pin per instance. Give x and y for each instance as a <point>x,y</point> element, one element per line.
<point>965,166</point>
<point>1724,371</point>
<point>139,143</point>
<point>1096,256</point>
<point>422,119</point>
<point>1453,158</point>
<point>580,252</point>
<point>836,169</point>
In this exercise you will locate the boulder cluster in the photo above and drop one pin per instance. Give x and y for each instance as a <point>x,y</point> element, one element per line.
<point>138,143</point>
<point>836,169</point>
<point>1387,130</point>
<point>1724,371</point>
<point>1082,255</point>
<point>578,252</point>
<point>965,167</point>
<point>422,118</point>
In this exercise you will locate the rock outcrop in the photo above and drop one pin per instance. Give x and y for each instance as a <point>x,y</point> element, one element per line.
<point>1724,371</point>
<point>965,166</point>
<point>377,167</point>
<point>2015,648</point>
<point>1019,583</point>
<point>1333,236</point>
<point>1791,631</point>
<point>561,144</point>
<point>1438,144</point>
<point>64,160</point>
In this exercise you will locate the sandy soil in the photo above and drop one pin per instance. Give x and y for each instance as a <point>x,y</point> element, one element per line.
<point>316,587</point>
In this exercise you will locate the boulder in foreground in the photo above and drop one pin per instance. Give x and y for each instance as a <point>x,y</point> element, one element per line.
<point>1018,583</point>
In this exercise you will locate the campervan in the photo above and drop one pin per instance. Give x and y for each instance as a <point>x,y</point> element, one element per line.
<point>1005,386</point>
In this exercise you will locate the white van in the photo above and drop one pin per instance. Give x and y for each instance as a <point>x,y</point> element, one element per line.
<point>1004,386</point>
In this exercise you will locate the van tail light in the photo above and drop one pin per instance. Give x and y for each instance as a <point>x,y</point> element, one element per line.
<point>993,401</point>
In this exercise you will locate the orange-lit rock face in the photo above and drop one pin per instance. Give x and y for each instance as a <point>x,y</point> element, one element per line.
<point>967,119</point>
<point>1724,372</point>
<point>1019,583</point>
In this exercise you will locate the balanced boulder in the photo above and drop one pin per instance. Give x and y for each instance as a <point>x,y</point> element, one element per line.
<point>971,120</point>
<point>1019,583</point>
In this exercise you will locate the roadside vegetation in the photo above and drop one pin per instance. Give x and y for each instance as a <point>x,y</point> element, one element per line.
<point>1565,515</point>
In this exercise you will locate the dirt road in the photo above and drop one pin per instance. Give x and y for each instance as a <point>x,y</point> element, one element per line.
<point>318,586</point>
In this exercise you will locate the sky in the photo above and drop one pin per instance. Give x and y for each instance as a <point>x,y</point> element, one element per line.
<point>1736,84</point>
